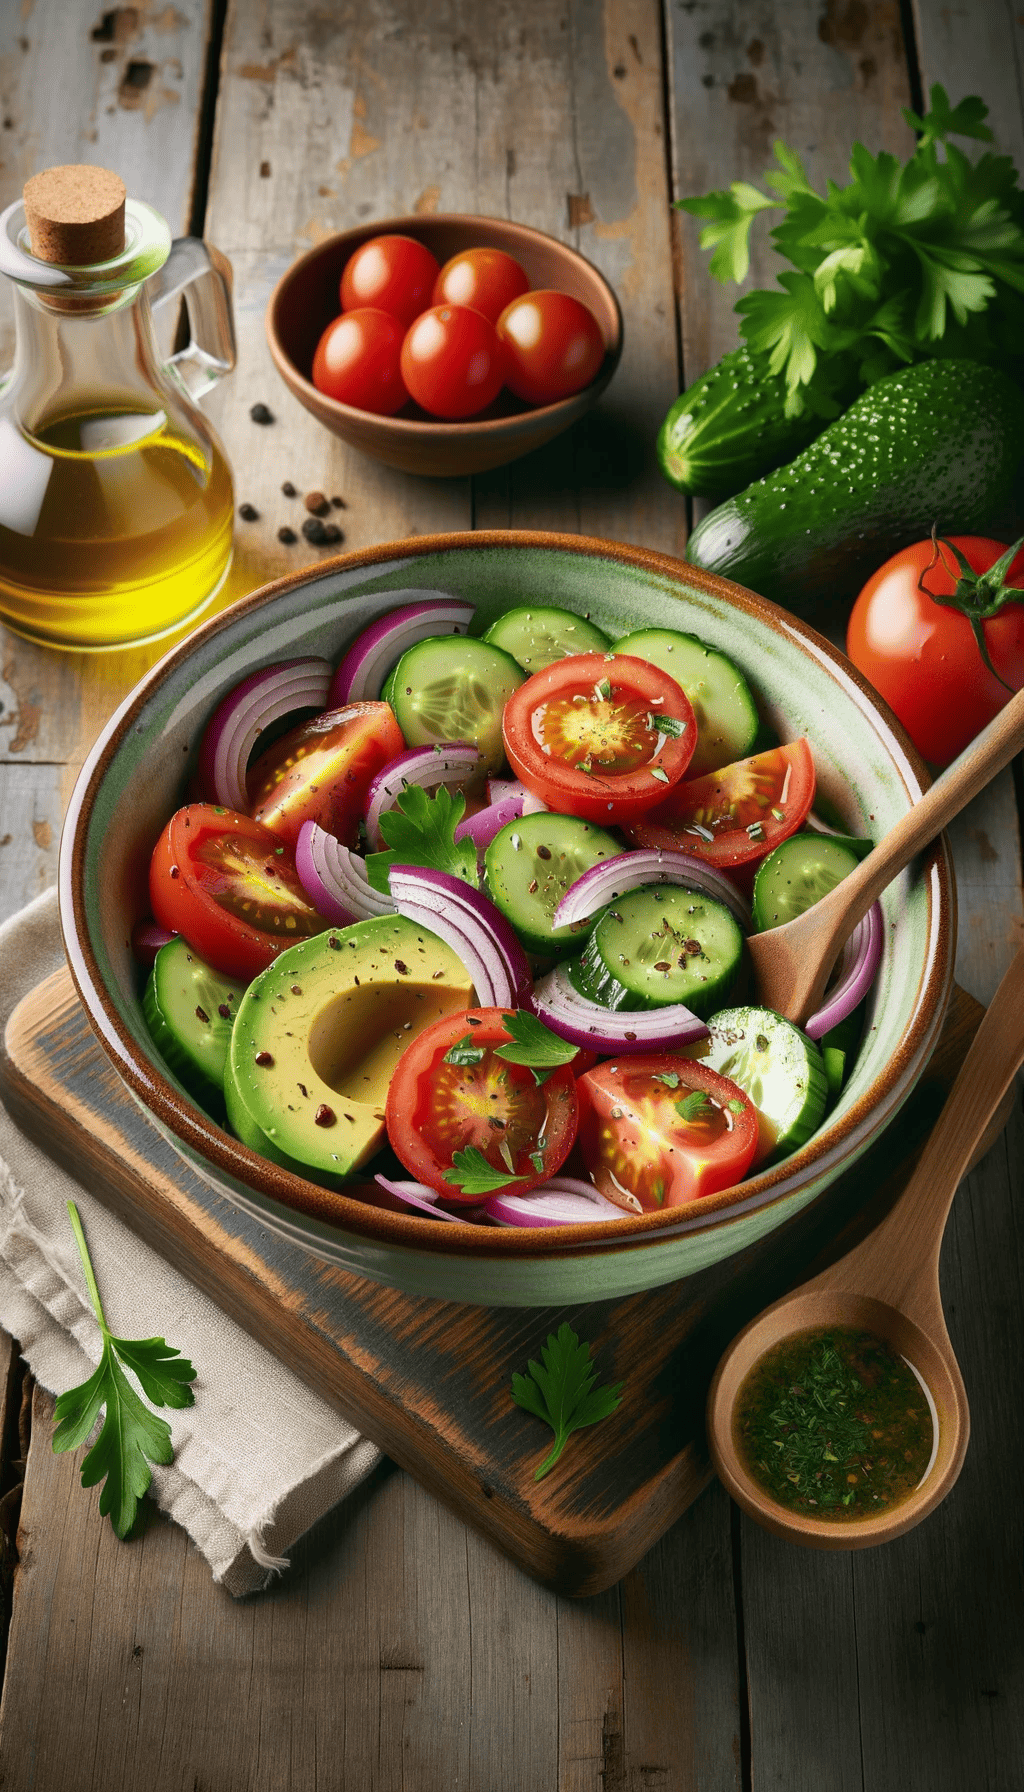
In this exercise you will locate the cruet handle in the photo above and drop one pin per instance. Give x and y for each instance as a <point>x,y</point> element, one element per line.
<point>199,273</point>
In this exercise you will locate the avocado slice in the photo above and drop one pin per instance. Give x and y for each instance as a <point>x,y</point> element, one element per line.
<point>318,1034</point>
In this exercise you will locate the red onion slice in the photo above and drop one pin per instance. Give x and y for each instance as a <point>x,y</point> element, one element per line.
<point>454,764</point>
<point>468,922</point>
<point>147,938</point>
<point>500,789</point>
<point>334,878</point>
<point>241,717</point>
<point>374,652</point>
<point>564,1201</point>
<point>482,827</point>
<point>611,878</point>
<point>856,971</point>
<point>572,1017</point>
<point>411,1197</point>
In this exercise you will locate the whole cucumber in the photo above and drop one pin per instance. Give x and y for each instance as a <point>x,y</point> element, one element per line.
<point>730,426</point>
<point>937,443</point>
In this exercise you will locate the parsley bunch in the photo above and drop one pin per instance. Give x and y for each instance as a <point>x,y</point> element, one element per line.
<point>907,261</point>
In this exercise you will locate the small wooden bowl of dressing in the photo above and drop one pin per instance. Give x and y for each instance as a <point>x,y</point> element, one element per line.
<point>887,1287</point>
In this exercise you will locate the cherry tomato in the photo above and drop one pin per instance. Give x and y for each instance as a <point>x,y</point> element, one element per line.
<point>391,273</point>
<point>602,736</point>
<point>486,279</point>
<point>358,361</point>
<point>660,1130</point>
<point>231,888</point>
<point>322,770</point>
<point>451,1092</point>
<point>737,814</point>
<point>452,361</point>
<point>553,345</point>
<point>922,656</point>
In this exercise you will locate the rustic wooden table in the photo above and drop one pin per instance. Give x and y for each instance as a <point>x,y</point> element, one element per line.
<point>401,1649</point>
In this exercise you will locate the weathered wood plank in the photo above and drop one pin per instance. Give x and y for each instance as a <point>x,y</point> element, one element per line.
<point>972,48</point>
<point>835,1646</point>
<point>30,818</point>
<point>602,186</point>
<point>119,86</point>
<point>745,72</point>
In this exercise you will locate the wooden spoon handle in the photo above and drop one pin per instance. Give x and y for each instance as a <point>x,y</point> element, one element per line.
<point>993,748</point>
<point>899,1261</point>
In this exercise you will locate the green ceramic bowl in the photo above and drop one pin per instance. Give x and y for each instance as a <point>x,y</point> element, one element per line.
<point>136,776</point>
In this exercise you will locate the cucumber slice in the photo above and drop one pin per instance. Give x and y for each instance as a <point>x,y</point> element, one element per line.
<point>190,1010</point>
<point>453,688</point>
<point>777,1066</point>
<point>537,637</point>
<point>663,943</point>
<point>858,844</point>
<point>798,874</point>
<point>727,718</point>
<point>529,867</point>
<point>591,977</point>
<point>838,1048</point>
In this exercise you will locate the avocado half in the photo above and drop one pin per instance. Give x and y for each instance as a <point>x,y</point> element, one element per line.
<point>319,1033</point>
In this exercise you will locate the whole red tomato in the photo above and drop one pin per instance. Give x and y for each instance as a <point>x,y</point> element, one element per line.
<point>358,361</point>
<point>553,344</point>
<point>923,655</point>
<point>486,279</point>
<point>391,273</point>
<point>452,361</point>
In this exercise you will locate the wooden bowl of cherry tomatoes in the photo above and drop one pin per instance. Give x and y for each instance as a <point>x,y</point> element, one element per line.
<point>444,345</point>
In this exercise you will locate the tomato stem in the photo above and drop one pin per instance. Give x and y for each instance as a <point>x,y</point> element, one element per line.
<point>977,595</point>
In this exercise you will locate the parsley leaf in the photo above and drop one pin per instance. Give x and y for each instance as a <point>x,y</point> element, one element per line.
<point>728,233</point>
<point>534,1045</point>
<point>944,120</point>
<point>473,1174</point>
<point>560,1390</point>
<point>420,830</point>
<point>464,1053</point>
<point>670,726</point>
<point>131,1436</point>
<point>694,1106</point>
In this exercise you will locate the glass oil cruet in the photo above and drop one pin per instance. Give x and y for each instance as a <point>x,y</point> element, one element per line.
<point>116,503</point>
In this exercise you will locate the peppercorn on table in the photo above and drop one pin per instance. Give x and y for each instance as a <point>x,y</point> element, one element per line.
<point>400,1649</point>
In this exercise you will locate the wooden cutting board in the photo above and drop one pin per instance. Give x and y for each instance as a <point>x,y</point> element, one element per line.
<point>430,1380</point>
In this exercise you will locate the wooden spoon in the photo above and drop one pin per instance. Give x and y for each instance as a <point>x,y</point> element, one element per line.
<point>888,1285</point>
<point>792,962</point>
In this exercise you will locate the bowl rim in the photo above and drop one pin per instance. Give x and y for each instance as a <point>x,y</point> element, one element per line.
<point>414,429</point>
<point>269,1182</point>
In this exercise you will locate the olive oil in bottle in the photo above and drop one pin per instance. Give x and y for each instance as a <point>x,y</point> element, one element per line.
<point>116,502</point>
<point>114,527</point>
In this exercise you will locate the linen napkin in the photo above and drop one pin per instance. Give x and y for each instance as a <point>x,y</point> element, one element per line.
<point>259,1458</point>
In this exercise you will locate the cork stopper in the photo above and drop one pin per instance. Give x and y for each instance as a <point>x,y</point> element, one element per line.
<point>75,214</point>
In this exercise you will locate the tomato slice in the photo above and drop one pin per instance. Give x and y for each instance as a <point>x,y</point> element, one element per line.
<point>230,886</point>
<point>600,735</point>
<point>451,1092</point>
<point>659,1131</point>
<point>322,770</point>
<point>737,814</point>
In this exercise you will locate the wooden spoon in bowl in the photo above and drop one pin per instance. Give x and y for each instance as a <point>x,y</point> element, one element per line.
<point>792,962</point>
<point>889,1286</point>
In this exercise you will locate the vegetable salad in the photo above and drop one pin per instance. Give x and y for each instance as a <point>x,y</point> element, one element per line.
<point>466,937</point>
